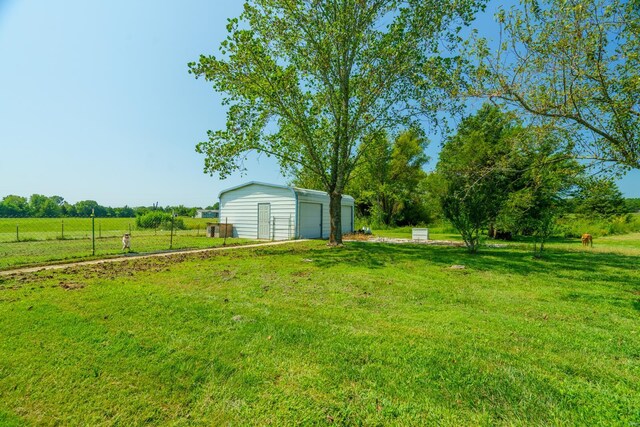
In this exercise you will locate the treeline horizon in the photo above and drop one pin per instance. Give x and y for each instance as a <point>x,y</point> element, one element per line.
<point>41,206</point>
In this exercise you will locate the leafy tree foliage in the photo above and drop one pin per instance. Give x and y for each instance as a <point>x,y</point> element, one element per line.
<point>537,196</point>
<point>85,208</point>
<point>495,171</point>
<point>14,206</point>
<point>633,204</point>
<point>45,207</point>
<point>181,210</point>
<point>574,64</point>
<point>310,81</point>
<point>599,198</point>
<point>124,212</point>
<point>475,173</point>
<point>39,206</point>
<point>385,184</point>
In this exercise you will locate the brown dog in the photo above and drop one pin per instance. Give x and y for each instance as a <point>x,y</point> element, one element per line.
<point>587,239</point>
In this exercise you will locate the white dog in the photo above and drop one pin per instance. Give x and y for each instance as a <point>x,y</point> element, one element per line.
<point>126,242</point>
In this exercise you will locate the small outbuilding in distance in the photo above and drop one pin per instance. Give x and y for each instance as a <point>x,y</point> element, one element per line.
<point>276,212</point>
<point>207,213</point>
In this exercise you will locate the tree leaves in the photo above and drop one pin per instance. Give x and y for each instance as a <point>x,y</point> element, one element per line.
<point>572,64</point>
<point>309,81</point>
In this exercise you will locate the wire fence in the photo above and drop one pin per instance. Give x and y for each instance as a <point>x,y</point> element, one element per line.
<point>282,228</point>
<point>29,241</point>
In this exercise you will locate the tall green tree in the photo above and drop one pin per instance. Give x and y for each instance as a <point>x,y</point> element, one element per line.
<point>45,207</point>
<point>85,208</point>
<point>545,176</point>
<point>308,81</point>
<point>574,64</point>
<point>599,197</point>
<point>495,171</point>
<point>14,206</point>
<point>633,204</point>
<point>476,173</point>
<point>387,179</point>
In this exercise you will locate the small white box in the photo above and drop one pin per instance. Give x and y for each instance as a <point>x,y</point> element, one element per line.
<point>420,233</point>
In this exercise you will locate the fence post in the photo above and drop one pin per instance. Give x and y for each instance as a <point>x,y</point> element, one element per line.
<point>63,229</point>
<point>17,233</point>
<point>226,231</point>
<point>171,238</point>
<point>93,232</point>
<point>273,229</point>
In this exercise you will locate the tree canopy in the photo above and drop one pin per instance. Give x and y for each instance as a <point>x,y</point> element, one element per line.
<point>599,197</point>
<point>386,182</point>
<point>495,171</point>
<point>40,206</point>
<point>310,81</point>
<point>573,63</point>
<point>474,171</point>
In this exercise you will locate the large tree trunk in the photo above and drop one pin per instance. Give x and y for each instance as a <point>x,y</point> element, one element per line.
<point>335,215</point>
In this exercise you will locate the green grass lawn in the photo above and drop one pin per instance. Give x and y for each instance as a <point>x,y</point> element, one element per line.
<point>368,334</point>
<point>435,233</point>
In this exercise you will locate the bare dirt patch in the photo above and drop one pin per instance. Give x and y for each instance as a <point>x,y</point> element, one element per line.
<point>71,286</point>
<point>173,257</point>
<point>358,237</point>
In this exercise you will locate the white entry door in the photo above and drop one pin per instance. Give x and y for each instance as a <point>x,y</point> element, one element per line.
<point>310,220</point>
<point>264,217</point>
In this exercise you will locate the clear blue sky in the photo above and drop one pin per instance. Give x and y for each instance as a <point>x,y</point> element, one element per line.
<point>96,102</point>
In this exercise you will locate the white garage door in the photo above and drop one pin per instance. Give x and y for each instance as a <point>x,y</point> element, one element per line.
<point>347,219</point>
<point>310,220</point>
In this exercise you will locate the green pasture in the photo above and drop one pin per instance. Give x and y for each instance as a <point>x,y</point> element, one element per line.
<point>29,229</point>
<point>625,243</point>
<point>303,334</point>
<point>41,239</point>
<point>40,242</point>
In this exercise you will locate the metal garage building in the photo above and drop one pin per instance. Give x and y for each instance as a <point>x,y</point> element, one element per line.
<point>266,211</point>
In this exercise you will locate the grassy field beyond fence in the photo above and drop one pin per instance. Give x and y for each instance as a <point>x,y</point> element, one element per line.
<point>44,240</point>
<point>31,229</point>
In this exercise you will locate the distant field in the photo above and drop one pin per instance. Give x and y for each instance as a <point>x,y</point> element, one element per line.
<point>75,228</point>
<point>302,334</point>
<point>41,239</point>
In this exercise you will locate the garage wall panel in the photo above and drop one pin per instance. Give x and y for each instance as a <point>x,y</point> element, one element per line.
<point>240,207</point>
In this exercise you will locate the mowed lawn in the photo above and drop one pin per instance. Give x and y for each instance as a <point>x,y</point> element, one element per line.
<point>368,334</point>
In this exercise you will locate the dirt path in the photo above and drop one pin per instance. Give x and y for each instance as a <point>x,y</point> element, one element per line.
<point>134,257</point>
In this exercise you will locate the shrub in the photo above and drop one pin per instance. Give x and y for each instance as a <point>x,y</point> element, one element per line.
<point>575,225</point>
<point>158,219</point>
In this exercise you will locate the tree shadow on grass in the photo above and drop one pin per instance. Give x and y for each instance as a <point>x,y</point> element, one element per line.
<point>585,266</point>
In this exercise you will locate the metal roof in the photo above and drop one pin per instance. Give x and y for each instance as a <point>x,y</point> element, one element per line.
<point>294,189</point>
